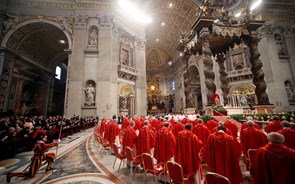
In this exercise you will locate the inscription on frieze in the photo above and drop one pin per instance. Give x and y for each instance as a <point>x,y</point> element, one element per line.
<point>63,5</point>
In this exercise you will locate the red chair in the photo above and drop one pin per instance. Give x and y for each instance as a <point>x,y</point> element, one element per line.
<point>214,178</point>
<point>176,173</point>
<point>118,155</point>
<point>132,160</point>
<point>150,167</point>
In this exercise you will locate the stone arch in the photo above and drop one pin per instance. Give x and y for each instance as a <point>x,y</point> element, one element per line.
<point>126,96</point>
<point>12,31</point>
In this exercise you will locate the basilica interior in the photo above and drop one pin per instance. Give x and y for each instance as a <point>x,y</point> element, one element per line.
<point>173,61</point>
<point>141,57</point>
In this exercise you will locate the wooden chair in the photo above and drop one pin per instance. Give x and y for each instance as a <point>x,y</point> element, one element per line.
<point>150,167</point>
<point>132,160</point>
<point>118,155</point>
<point>251,153</point>
<point>176,173</point>
<point>214,178</point>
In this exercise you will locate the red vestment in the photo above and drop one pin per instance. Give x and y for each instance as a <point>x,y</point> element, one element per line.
<point>274,164</point>
<point>232,127</point>
<point>178,127</point>
<point>187,151</point>
<point>252,138</point>
<point>202,132</point>
<point>245,125</point>
<point>185,121</point>
<point>145,141</point>
<point>125,123</point>
<point>289,135</point>
<point>211,124</point>
<point>227,131</point>
<point>129,138</point>
<point>113,131</point>
<point>164,145</point>
<point>222,154</point>
<point>273,126</point>
<point>102,126</point>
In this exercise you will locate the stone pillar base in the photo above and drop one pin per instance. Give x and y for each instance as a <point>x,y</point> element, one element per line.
<point>123,112</point>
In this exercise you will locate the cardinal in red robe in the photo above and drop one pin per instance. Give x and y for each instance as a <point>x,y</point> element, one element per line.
<point>251,138</point>
<point>145,140</point>
<point>245,124</point>
<point>222,154</point>
<point>112,131</point>
<point>187,151</point>
<point>103,126</point>
<point>226,130</point>
<point>274,126</point>
<point>211,124</point>
<point>232,127</point>
<point>274,163</point>
<point>178,127</point>
<point>201,131</point>
<point>129,137</point>
<point>125,123</point>
<point>289,135</point>
<point>164,144</point>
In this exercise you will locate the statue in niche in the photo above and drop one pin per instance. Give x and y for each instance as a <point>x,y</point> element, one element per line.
<point>90,94</point>
<point>93,38</point>
<point>289,90</point>
<point>124,57</point>
<point>123,101</point>
<point>280,45</point>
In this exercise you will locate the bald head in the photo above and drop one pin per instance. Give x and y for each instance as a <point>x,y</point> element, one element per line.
<point>275,137</point>
<point>285,124</point>
<point>250,123</point>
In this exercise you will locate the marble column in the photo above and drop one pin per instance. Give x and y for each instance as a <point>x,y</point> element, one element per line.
<point>208,71</point>
<point>258,74</point>
<point>223,78</point>
<point>140,61</point>
<point>18,99</point>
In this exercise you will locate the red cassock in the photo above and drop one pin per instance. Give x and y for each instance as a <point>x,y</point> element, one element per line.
<point>102,126</point>
<point>289,135</point>
<point>211,124</point>
<point>145,141</point>
<point>125,123</point>
<point>232,127</point>
<point>274,164</point>
<point>113,132</point>
<point>245,125</point>
<point>185,121</point>
<point>164,145</point>
<point>178,127</point>
<point>187,151</point>
<point>273,126</point>
<point>129,138</point>
<point>222,154</point>
<point>252,138</point>
<point>107,131</point>
<point>227,131</point>
<point>202,132</point>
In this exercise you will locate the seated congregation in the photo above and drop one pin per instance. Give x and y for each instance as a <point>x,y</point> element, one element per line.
<point>181,149</point>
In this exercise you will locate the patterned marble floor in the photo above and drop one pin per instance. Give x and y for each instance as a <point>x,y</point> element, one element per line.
<point>79,162</point>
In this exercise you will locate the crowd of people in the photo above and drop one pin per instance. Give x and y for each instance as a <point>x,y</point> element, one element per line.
<point>19,131</point>
<point>190,142</point>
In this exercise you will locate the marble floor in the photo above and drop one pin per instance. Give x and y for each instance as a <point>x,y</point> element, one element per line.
<point>80,162</point>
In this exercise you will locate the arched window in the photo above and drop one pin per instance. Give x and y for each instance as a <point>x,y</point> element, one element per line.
<point>57,72</point>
